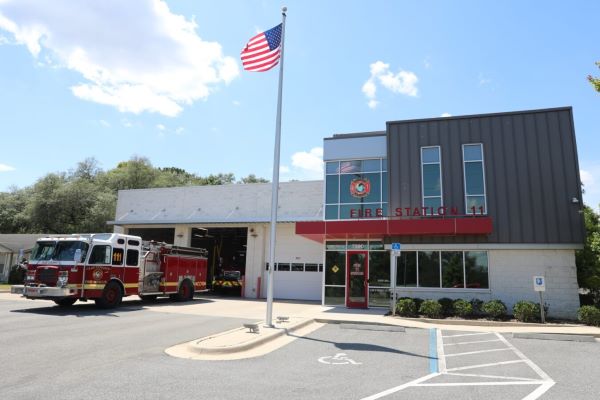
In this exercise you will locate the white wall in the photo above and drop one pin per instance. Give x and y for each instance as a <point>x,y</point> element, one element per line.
<point>291,248</point>
<point>511,275</point>
<point>512,278</point>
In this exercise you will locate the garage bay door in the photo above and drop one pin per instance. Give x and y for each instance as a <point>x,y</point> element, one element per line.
<point>298,281</point>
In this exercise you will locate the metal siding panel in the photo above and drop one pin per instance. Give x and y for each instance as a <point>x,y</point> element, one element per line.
<point>560,179</point>
<point>530,172</point>
<point>538,205</point>
<point>405,183</point>
<point>504,204</point>
<point>573,188</point>
<point>414,159</point>
<point>453,167</point>
<point>522,189</point>
<point>547,167</point>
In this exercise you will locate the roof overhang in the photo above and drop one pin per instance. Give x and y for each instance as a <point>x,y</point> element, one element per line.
<point>378,228</point>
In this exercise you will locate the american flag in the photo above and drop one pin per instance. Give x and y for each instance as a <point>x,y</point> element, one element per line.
<point>262,52</point>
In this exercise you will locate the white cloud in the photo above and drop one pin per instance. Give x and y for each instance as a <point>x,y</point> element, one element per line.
<point>403,82</point>
<point>236,103</point>
<point>306,165</point>
<point>135,56</point>
<point>6,168</point>
<point>104,123</point>
<point>160,127</point>
<point>446,115</point>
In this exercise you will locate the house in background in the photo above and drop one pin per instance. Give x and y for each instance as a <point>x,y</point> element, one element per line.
<point>10,246</point>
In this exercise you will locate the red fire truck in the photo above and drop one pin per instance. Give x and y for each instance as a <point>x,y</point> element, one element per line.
<point>106,267</point>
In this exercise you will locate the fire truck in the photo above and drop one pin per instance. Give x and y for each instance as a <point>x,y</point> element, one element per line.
<point>106,267</point>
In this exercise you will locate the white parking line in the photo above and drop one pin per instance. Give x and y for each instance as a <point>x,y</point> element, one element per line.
<point>514,378</point>
<point>401,387</point>
<point>476,341</point>
<point>484,365</point>
<point>440,352</point>
<point>482,383</point>
<point>469,334</point>
<point>476,352</point>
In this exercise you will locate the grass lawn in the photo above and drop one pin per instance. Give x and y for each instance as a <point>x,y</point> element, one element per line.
<point>5,286</point>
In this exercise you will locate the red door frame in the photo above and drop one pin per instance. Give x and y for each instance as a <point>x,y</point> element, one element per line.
<point>349,303</point>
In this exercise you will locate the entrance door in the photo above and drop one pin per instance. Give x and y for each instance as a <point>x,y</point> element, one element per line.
<point>357,263</point>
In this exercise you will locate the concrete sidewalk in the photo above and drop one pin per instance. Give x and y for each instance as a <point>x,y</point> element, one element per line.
<point>306,317</point>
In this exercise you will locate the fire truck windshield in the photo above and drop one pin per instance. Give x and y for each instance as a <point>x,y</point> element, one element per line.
<point>58,251</point>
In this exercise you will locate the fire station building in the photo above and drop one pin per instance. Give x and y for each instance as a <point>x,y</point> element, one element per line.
<point>479,205</point>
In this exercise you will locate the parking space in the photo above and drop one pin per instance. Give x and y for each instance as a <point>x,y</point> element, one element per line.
<point>472,365</point>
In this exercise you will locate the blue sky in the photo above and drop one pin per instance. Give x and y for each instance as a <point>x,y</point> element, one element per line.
<point>162,79</point>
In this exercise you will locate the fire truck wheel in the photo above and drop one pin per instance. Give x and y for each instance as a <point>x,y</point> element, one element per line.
<point>186,291</point>
<point>66,302</point>
<point>111,296</point>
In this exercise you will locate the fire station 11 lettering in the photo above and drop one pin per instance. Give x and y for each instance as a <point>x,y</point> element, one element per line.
<point>413,212</point>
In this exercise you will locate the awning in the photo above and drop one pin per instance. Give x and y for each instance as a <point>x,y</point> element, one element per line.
<point>378,228</point>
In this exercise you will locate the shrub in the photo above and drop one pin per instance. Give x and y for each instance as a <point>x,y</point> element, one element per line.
<point>589,315</point>
<point>406,307</point>
<point>447,306</point>
<point>418,302</point>
<point>462,308</point>
<point>477,304</point>
<point>431,309</point>
<point>526,311</point>
<point>495,309</point>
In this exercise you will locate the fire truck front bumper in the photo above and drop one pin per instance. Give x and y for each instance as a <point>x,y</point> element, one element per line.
<point>42,291</point>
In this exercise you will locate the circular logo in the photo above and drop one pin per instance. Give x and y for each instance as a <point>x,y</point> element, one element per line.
<point>360,187</point>
<point>98,274</point>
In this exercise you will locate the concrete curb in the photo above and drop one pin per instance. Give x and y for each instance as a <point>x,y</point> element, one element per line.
<point>555,336</point>
<point>200,346</point>
<point>468,322</point>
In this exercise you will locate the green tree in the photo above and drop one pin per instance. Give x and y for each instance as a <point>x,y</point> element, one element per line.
<point>218,179</point>
<point>137,173</point>
<point>588,259</point>
<point>83,199</point>
<point>253,179</point>
<point>14,216</point>
<point>595,81</point>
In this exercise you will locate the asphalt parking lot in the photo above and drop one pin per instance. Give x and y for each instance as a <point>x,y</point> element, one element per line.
<point>82,352</point>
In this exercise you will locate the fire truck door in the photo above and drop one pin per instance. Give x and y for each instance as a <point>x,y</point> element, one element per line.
<point>117,264</point>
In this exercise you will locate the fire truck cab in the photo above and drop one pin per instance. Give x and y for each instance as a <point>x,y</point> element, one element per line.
<point>106,267</point>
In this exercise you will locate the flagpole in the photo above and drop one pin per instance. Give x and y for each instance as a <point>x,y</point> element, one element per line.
<point>275,184</point>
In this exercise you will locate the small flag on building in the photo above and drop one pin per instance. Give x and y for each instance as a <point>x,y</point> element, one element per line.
<point>262,52</point>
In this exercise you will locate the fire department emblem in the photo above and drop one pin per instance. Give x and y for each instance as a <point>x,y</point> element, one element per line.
<point>360,187</point>
<point>97,274</point>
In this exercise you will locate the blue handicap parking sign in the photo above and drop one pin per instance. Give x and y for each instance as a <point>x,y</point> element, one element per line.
<point>539,281</point>
<point>396,246</point>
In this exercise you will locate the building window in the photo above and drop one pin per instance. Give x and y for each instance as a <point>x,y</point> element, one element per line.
<point>356,189</point>
<point>476,269</point>
<point>431,175</point>
<point>429,268</point>
<point>443,269</point>
<point>474,175</point>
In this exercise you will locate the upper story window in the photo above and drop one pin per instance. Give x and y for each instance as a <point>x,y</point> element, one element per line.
<point>474,174</point>
<point>356,189</point>
<point>431,175</point>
